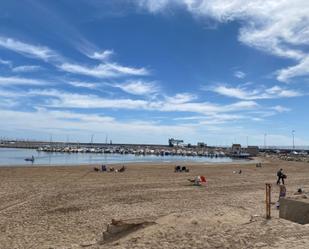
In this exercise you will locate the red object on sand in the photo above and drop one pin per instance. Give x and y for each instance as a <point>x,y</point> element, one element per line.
<point>203,178</point>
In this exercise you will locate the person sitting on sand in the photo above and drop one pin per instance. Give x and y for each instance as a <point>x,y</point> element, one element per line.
<point>198,180</point>
<point>184,169</point>
<point>122,169</point>
<point>281,176</point>
<point>282,193</point>
<point>104,168</point>
<point>177,168</point>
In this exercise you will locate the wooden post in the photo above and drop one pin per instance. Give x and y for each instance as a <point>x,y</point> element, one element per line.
<point>268,200</point>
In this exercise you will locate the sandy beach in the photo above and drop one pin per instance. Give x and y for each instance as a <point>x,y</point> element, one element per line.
<point>70,207</point>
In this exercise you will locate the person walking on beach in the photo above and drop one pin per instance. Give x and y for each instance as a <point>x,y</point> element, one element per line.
<point>281,176</point>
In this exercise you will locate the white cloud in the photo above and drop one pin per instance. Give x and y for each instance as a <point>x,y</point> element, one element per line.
<point>254,94</point>
<point>9,81</point>
<point>103,70</point>
<point>138,87</point>
<point>6,62</point>
<point>180,98</point>
<point>278,27</point>
<point>239,74</point>
<point>61,99</point>
<point>104,55</point>
<point>106,70</point>
<point>280,108</point>
<point>79,125</point>
<point>26,68</point>
<point>154,5</point>
<point>89,85</point>
<point>301,69</point>
<point>74,100</point>
<point>29,50</point>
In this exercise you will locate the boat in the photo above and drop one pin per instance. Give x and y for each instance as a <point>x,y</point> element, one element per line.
<point>31,159</point>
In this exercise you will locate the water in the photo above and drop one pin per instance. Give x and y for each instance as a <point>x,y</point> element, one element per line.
<point>12,156</point>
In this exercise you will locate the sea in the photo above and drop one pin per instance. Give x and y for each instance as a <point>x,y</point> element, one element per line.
<point>16,157</point>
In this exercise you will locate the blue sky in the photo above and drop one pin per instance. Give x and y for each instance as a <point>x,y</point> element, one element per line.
<point>142,71</point>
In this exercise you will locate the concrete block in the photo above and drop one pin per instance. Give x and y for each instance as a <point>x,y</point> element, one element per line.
<point>296,210</point>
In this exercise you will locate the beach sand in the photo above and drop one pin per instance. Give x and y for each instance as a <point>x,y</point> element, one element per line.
<point>70,207</point>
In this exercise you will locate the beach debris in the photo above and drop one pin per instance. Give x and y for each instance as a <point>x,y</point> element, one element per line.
<point>237,172</point>
<point>88,243</point>
<point>121,228</point>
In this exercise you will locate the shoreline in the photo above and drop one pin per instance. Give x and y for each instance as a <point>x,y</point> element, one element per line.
<point>240,161</point>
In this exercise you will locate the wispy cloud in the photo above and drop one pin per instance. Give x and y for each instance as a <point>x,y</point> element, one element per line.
<point>239,74</point>
<point>62,99</point>
<point>255,94</point>
<point>26,68</point>
<point>280,108</point>
<point>6,62</point>
<point>181,98</point>
<point>10,81</point>
<point>45,121</point>
<point>106,70</point>
<point>275,27</point>
<point>138,87</point>
<point>103,55</point>
<point>89,85</point>
<point>29,50</point>
<point>301,69</point>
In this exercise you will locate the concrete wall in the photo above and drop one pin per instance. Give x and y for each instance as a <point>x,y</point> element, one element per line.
<point>294,210</point>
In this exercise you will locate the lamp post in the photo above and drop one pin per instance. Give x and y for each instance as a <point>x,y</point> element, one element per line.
<point>293,134</point>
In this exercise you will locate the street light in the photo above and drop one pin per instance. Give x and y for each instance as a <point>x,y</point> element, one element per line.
<point>293,134</point>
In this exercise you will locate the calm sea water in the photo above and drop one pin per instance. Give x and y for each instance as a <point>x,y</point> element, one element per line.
<point>12,156</point>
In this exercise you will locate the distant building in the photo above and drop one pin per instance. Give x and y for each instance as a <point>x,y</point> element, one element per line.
<point>236,149</point>
<point>252,150</point>
<point>201,145</point>
<point>172,142</point>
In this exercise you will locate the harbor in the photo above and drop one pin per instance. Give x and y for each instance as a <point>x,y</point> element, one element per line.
<point>43,153</point>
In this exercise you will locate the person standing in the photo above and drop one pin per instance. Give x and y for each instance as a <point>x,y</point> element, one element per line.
<point>280,176</point>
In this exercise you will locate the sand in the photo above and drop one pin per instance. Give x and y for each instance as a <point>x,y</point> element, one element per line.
<point>70,207</point>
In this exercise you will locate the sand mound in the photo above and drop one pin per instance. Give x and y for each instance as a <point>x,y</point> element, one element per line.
<point>121,228</point>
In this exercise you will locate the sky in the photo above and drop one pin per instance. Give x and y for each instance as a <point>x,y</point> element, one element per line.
<point>143,71</point>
